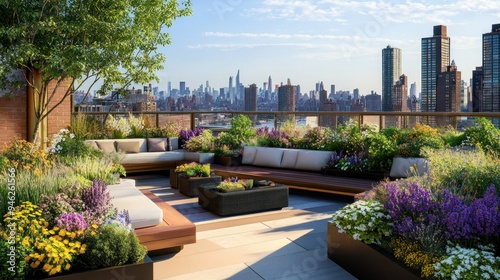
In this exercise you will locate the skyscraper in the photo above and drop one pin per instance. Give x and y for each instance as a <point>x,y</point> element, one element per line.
<point>448,92</point>
<point>391,71</point>
<point>435,59</point>
<point>413,89</point>
<point>251,98</point>
<point>270,85</point>
<point>182,87</point>
<point>491,71</point>
<point>286,99</point>
<point>477,89</point>
<point>400,95</point>
<point>237,92</point>
<point>231,89</point>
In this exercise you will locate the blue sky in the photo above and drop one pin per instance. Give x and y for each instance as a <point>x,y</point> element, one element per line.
<point>335,41</point>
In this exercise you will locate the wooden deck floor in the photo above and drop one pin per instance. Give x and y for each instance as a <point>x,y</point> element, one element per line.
<point>305,180</point>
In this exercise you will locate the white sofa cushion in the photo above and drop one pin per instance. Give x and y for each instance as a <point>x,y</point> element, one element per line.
<point>270,157</point>
<point>107,146</point>
<point>142,211</point>
<point>401,167</point>
<point>248,154</point>
<point>153,157</point>
<point>312,160</point>
<point>289,158</point>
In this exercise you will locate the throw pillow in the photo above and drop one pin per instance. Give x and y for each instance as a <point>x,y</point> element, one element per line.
<point>270,157</point>
<point>129,147</point>
<point>248,154</point>
<point>106,146</point>
<point>156,145</point>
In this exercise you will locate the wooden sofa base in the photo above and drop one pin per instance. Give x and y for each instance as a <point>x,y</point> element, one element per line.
<point>296,179</point>
<point>174,232</point>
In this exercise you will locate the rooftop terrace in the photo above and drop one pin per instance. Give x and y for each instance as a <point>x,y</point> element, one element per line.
<point>285,244</point>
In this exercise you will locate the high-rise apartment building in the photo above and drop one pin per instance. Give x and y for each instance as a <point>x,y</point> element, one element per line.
<point>448,93</point>
<point>477,89</point>
<point>435,59</point>
<point>373,102</point>
<point>491,71</point>
<point>182,87</point>
<point>400,95</point>
<point>251,98</point>
<point>286,97</point>
<point>332,91</point>
<point>391,71</point>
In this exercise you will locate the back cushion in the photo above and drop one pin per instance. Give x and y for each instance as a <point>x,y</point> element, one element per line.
<point>128,147</point>
<point>106,146</point>
<point>248,154</point>
<point>156,144</point>
<point>312,160</point>
<point>289,158</point>
<point>270,157</point>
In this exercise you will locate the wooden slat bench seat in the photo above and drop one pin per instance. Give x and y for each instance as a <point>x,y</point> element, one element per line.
<point>169,236</point>
<point>305,180</point>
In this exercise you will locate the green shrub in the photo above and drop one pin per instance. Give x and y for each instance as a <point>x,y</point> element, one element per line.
<point>467,173</point>
<point>30,186</point>
<point>381,151</point>
<point>485,135</point>
<point>422,136</point>
<point>452,138</point>
<point>202,143</point>
<point>86,127</point>
<point>314,139</point>
<point>105,168</point>
<point>113,245</point>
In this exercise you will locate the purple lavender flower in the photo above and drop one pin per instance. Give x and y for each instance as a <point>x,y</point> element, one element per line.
<point>411,207</point>
<point>71,222</point>
<point>185,135</point>
<point>97,201</point>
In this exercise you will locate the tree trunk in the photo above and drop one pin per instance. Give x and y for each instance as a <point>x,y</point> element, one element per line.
<point>37,96</point>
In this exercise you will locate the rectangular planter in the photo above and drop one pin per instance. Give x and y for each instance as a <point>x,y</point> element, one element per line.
<point>143,270</point>
<point>242,202</point>
<point>227,161</point>
<point>174,178</point>
<point>364,261</point>
<point>189,186</point>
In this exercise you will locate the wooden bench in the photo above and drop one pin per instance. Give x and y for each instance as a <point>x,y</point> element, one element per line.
<point>295,179</point>
<point>169,236</point>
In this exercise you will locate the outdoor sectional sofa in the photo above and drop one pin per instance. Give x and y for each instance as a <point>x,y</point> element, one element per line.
<point>149,154</point>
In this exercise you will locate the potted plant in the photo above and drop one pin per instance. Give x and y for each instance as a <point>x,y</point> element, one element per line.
<point>195,175</point>
<point>200,148</point>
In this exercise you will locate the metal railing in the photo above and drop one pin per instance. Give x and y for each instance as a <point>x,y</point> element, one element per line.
<point>220,120</point>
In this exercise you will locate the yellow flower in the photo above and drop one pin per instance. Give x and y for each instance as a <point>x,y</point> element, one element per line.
<point>47,267</point>
<point>62,232</point>
<point>67,267</point>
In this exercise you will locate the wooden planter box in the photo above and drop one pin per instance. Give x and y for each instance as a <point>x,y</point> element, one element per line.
<point>189,186</point>
<point>174,178</point>
<point>242,202</point>
<point>143,270</point>
<point>354,174</point>
<point>227,161</point>
<point>364,261</point>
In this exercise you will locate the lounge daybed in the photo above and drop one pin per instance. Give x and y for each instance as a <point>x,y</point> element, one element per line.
<point>149,154</point>
<point>298,169</point>
<point>158,225</point>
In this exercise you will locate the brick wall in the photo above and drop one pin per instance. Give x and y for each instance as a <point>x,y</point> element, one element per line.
<point>61,116</point>
<point>13,117</point>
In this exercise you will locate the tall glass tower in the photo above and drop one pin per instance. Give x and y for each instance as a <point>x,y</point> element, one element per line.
<point>435,59</point>
<point>391,71</point>
<point>490,100</point>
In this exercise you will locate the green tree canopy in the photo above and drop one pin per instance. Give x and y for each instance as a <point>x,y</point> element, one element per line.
<point>113,42</point>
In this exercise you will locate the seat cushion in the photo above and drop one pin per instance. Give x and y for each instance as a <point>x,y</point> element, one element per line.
<point>142,211</point>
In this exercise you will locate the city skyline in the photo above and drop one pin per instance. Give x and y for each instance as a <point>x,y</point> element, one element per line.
<point>310,41</point>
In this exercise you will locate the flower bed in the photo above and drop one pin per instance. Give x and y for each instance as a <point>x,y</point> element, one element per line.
<point>440,235</point>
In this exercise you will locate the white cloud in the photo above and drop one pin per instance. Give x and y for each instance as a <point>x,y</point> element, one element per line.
<point>392,11</point>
